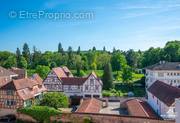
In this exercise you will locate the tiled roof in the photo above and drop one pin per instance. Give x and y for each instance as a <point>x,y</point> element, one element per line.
<point>90,105</point>
<point>3,81</point>
<point>140,108</point>
<point>73,80</point>
<point>5,72</point>
<point>59,72</point>
<point>37,78</point>
<point>67,71</point>
<point>165,66</point>
<point>21,72</point>
<point>164,92</point>
<point>26,88</point>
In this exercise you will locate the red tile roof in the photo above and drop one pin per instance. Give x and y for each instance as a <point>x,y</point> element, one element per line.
<point>90,105</point>
<point>140,108</point>
<point>37,78</point>
<point>26,88</point>
<point>59,72</point>
<point>73,80</point>
<point>5,72</point>
<point>164,92</point>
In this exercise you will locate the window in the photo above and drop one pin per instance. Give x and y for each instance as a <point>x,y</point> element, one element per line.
<point>9,92</point>
<point>97,87</point>
<point>160,74</point>
<point>86,87</point>
<point>10,102</point>
<point>91,82</point>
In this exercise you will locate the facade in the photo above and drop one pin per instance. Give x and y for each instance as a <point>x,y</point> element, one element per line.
<point>168,72</point>
<point>20,93</point>
<point>59,80</point>
<point>161,97</point>
<point>6,76</point>
<point>177,108</point>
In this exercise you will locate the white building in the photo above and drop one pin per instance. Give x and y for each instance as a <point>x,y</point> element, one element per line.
<point>59,80</point>
<point>161,97</point>
<point>168,72</point>
<point>177,109</point>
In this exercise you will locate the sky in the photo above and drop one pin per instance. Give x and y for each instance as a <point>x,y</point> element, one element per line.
<point>123,24</point>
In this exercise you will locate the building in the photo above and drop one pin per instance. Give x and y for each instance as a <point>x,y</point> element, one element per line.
<point>22,73</point>
<point>90,105</point>
<point>161,97</point>
<point>63,81</point>
<point>139,108</point>
<point>20,93</point>
<point>168,72</point>
<point>6,76</point>
<point>177,109</point>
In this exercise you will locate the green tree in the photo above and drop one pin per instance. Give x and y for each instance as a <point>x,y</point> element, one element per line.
<point>42,70</point>
<point>78,63</point>
<point>55,99</point>
<point>22,63</point>
<point>118,61</point>
<point>79,50</point>
<point>132,58</point>
<point>60,48</point>
<point>107,77</point>
<point>26,52</point>
<point>10,62</point>
<point>104,48</point>
<point>94,48</point>
<point>53,65</point>
<point>127,74</point>
<point>18,57</point>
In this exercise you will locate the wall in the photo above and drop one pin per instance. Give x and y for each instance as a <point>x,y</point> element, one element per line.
<point>105,118</point>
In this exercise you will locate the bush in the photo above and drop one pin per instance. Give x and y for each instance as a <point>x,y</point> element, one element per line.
<point>55,100</point>
<point>40,113</point>
<point>87,120</point>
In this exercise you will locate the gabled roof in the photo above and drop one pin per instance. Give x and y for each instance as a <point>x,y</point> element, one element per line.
<point>59,72</point>
<point>73,81</point>
<point>164,92</point>
<point>20,84</point>
<point>90,105</point>
<point>165,66</point>
<point>5,72</point>
<point>26,88</point>
<point>140,108</point>
<point>37,78</point>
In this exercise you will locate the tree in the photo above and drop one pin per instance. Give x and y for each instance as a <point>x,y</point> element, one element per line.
<point>18,57</point>
<point>42,70</point>
<point>36,57</point>
<point>78,63</point>
<point>60,49</point>
<point>26,52</point>
<point>79,50</point>
<point>107,77</point>
<point>10,62</point>
<point>22,63</point>
<point>132,58</point>
<point>104,48</point>
<point>53,65</point>
<point>55,99</point>
<point>94,48</point>
<point>127,74</point>
<point>118,61</point>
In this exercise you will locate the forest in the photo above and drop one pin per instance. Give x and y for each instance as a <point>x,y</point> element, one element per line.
<point>124,66</point>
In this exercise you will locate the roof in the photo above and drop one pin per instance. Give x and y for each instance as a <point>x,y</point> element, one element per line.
<point>37,78</point>
<point>20,84</point>
<point>140,108</point>
<point>164,92</point>
<point>59,72</point>
<point>73,80</point>
<point>165,66</point>
<point>21,72</point>
<point>26,88</point>
<point>3,81</point>
<point>5,72</point>
<point>67,71</point>
<point>90,105</point>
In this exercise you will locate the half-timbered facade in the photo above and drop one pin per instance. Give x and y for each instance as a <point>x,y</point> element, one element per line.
<point>58,80</point>
<point>20,93</point>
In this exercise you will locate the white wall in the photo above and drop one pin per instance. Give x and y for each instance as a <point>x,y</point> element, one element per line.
<point>160,108</point>
<point>177,109</point>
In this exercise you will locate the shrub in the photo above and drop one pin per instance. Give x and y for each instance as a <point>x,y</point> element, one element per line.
<point>55,100</point>
<point>87,120</point>
<point>40,113</point>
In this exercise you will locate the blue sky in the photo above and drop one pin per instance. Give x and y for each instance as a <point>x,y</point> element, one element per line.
<point>124,24</point>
